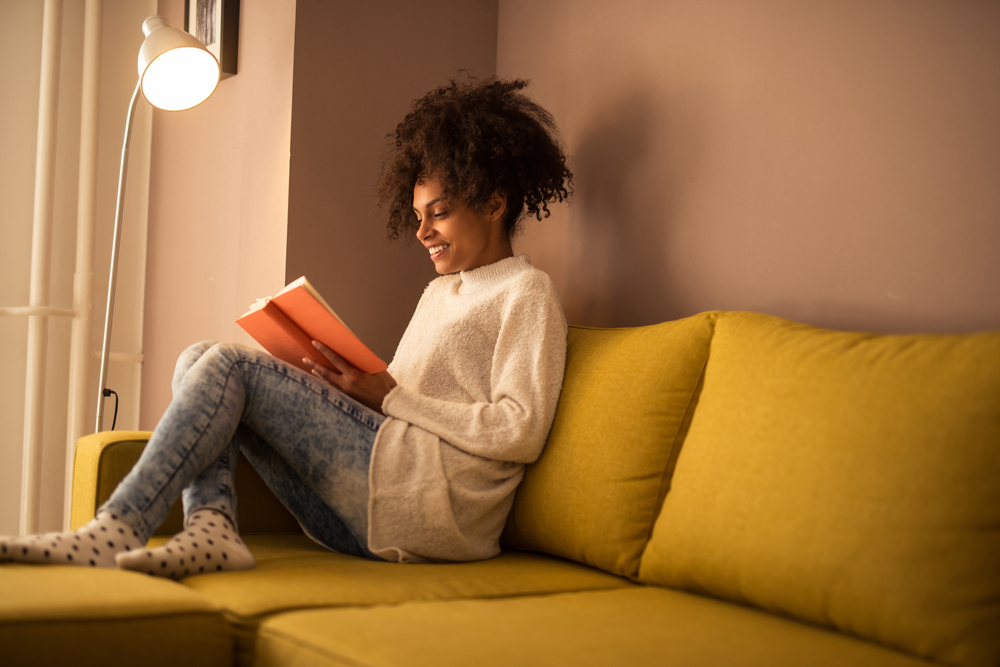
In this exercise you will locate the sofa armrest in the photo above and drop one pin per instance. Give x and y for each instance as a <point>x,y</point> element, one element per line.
<point>99,464</point>
<point>103,459</point>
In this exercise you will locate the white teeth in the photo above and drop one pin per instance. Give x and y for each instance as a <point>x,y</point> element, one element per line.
<point>437,249</point>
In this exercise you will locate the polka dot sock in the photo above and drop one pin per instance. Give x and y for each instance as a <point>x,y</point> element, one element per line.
<point>208,544</point>
<point>94,545</point>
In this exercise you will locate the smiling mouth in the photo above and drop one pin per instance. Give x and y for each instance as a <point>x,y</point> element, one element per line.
<point>438,249</point>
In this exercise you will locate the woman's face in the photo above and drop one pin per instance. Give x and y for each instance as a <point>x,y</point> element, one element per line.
<point>457,237</point>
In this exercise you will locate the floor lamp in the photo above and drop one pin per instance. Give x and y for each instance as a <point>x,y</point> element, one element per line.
<point>176,72</point>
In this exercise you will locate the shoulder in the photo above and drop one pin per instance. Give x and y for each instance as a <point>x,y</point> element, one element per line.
<point>531,299</point>
<point>532,284</point>
<point>533,280</point>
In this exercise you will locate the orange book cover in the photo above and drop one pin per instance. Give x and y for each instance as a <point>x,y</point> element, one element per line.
<point>286,324</point>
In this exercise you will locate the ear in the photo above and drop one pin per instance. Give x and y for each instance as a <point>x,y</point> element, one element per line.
<point>496,206</point>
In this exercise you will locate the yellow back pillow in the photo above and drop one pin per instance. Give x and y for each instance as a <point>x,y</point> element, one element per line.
<point>594,494</point>
<point>850,480</point>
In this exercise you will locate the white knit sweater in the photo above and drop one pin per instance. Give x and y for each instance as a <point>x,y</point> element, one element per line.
<point>479,371</point>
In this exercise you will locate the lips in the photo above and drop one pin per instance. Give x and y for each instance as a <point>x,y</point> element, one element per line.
<point>436,250</point>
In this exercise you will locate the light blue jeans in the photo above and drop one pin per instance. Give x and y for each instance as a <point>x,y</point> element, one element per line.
<point>310,443</point>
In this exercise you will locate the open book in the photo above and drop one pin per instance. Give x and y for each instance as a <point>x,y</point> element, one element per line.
<point>286,324</point>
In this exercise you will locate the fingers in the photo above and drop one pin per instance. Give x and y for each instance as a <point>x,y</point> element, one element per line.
<point>338,361</point>
<point>343,375</point>
<point>322,372</point>
<point>367,389</point>
<point>328,375</point>
<point>347,381</point>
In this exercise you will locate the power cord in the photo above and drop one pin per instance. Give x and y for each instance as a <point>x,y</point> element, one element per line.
<point>114,420</point>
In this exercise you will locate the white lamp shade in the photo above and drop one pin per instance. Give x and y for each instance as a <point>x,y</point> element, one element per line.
<point>176,71</point>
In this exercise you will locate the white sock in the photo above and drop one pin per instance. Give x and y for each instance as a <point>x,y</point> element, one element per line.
<point>207,544</point>
<point>94,545</point>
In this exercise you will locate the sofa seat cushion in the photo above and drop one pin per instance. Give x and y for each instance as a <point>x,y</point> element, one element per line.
<point>846,479</point>
<point>638,626</point>
<point>59,615</point>
<point>594,494</point>
<point>294,573</point>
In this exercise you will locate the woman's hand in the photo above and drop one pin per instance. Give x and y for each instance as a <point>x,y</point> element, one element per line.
<point>367,388</point>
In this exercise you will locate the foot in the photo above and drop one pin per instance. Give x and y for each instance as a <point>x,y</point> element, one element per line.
<point>94,545</point>
<point>208,544</point>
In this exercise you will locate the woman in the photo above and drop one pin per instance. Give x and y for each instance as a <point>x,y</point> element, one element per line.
<point>416,463</point>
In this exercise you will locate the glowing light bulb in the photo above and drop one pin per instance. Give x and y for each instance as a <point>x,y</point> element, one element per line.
<point>180,78</point>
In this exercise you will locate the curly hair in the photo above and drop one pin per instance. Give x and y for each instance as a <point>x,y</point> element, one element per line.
<point>477,138</point>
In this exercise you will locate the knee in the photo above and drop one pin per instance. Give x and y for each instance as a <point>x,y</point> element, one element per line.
<point>229,354</point>
<point>212,352</point>
<point>188,358</point>
<point>191,355</point>
<point>198,349</point>
<point>231,351</point>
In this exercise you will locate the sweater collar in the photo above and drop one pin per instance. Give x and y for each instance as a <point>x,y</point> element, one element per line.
<point>490,274</point>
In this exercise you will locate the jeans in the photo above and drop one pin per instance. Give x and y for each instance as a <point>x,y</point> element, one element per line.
<point>310,443</point>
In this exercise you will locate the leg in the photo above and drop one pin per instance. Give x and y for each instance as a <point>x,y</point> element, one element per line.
<point>324,437</point>
<point>309,480</point>
<point>312,446</point>
<point>196,430</point>
<point>214,486</point>
<point>310,425</point>
<point>317,518</point>
<point>310,443</point>
<point>97,543</point>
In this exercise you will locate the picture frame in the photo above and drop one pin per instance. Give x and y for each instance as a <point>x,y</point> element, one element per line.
<point>216,23</point>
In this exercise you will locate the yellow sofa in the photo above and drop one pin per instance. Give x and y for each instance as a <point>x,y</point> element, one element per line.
<point>726,489</point>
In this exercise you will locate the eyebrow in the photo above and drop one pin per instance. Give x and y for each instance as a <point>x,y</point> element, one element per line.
<point>431,202</point>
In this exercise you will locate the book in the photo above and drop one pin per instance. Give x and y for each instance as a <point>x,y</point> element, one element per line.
<point>286,324</point>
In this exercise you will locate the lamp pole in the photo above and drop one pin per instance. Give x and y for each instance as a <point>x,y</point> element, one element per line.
<point>176,72</point>
<point>115,243</point>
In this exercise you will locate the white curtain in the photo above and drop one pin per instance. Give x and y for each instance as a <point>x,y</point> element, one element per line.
<point>21,48</point>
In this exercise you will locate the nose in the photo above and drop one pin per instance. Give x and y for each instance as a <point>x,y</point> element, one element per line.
<point>424,229</point>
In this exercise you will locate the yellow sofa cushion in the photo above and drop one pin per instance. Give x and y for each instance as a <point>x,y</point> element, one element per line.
<point>60,615</point>
<point>848,479</point>
<point>634,627</point>
<point>593,495</point>
<point>294,573</point>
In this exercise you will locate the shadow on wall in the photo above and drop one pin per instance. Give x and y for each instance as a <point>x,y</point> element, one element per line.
<point>631,167</point>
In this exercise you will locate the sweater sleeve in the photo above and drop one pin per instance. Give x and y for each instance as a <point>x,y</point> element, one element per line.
<point>525,381</point>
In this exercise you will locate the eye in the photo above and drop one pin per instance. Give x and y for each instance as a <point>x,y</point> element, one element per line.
<point>440,214</point>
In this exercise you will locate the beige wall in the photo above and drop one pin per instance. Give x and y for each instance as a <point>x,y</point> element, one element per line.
<point>349,93</point>
<point>218,199</point>
<point>835,162</point>
<point>832,162</point>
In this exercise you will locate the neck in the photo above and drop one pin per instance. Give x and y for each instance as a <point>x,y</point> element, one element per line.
<point>499,249</point>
